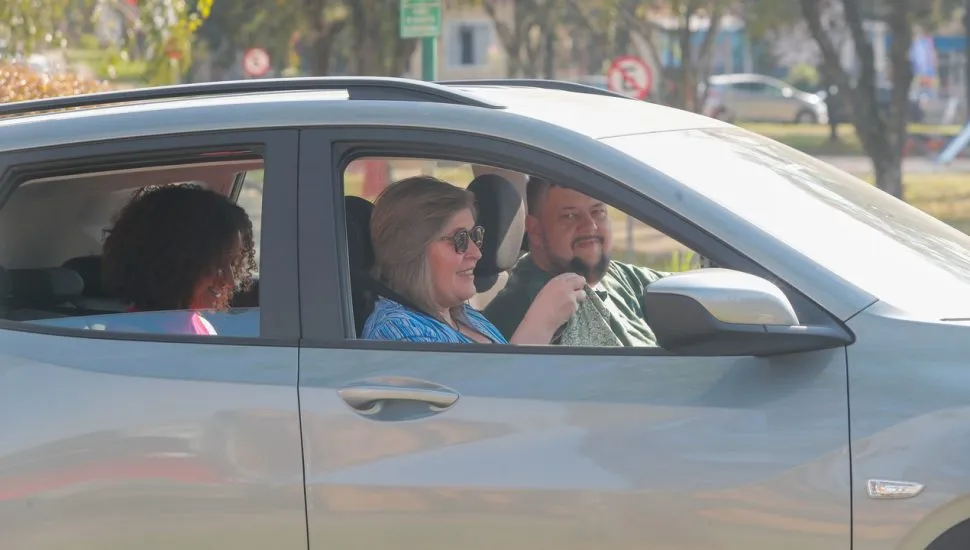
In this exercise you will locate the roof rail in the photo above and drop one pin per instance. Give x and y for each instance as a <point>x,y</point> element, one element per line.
<point>537,83</point>
<point>358,88</point>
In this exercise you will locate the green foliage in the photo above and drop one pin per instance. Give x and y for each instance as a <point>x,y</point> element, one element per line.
<point>168,28</point>
<point>19,83</point>
<point>27,26</point>
<point>803,77</point>
<point>678,261</point>
<point>236,25</point>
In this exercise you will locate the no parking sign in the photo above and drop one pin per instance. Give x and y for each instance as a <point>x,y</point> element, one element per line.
<point>255,62</point>
<point>630,75</point>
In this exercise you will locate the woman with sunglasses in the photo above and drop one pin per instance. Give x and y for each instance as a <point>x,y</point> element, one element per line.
<point>426,245</point>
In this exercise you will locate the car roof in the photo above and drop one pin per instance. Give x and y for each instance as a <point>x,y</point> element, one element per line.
<point>592,115</point>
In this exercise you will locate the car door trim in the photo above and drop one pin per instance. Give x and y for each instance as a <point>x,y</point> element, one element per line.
<point>327,325</point>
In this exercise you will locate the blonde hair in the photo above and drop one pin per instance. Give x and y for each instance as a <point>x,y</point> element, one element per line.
<point>408,217</point>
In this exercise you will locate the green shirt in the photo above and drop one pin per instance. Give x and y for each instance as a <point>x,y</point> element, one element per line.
<point>621,290</point>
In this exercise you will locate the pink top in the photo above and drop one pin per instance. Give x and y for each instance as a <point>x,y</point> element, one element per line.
<point>183,322</point>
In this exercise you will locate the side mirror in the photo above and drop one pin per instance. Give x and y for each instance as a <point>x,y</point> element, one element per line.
<point>787,92</point>
<point>722,312</point>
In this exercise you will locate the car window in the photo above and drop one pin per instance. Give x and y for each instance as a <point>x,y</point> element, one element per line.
<point>53,262</point>
<point>750,87</point>
<point>773,91</point>
<point>882,245</point>
<point>641,252</point>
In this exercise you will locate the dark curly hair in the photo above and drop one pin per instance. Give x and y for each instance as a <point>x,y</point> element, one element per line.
<point>168,238</point>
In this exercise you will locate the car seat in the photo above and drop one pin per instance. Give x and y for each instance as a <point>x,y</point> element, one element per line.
<point>501,211</point>
<point>361,252</point>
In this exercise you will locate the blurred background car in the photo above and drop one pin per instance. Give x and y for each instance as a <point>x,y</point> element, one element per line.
<point>755,97</point>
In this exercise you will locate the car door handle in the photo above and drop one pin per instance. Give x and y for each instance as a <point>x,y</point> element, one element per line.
<point>366,397</point>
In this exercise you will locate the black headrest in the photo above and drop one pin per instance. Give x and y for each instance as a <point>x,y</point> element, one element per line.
<point>5,284</point>
<point>89,268</point>
<point>358,232</point>
<point>45,287</point>
<point>501,211</point>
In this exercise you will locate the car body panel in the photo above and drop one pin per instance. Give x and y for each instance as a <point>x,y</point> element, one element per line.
<point>136,441</point>
<point>910,418</point>
<point>579,451</point>
<point>614,116</point>
<point>117,444</point>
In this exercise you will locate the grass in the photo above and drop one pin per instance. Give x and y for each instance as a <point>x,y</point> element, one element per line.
<point>108,64</point>
<point>814,138</point>
<point>945,196</point>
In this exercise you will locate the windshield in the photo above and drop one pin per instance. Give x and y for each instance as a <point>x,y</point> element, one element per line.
<point>878,243</point>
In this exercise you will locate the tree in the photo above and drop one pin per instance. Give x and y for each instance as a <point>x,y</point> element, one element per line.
<point>690,77</point>
<point>520,33</point>
<point>379,49</point>
<point>883,136</point>
<point>234,25</point>
<point>165,35</point>
<point>694,69</point>
<point>29,25</point>
<point>325,20</point>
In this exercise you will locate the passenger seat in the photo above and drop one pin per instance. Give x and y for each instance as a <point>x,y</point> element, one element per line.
<point>501,211</point>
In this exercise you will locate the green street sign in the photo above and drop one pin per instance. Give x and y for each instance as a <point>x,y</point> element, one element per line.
<point>420,18</point>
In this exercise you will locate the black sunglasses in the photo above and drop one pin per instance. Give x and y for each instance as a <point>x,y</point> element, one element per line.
<point>461,237</point>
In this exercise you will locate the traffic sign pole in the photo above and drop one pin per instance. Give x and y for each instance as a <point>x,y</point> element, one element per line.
<point>422,19</point>
<point>429,59</point>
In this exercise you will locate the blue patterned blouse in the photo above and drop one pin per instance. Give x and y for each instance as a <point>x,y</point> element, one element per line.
<point>392,321</point>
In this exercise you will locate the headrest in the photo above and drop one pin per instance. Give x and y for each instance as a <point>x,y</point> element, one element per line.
<point>501,211</point>
<point>45,287</point>
<point>5,284</point>
<point>358,232</point>
<point>89,268</point>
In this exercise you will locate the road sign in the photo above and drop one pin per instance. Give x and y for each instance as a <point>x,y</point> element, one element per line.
<point>631,76</point>
<point>255,62</point>
<point>420,18</point>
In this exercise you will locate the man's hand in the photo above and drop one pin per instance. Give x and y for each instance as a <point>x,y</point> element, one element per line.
<point>552,307</point>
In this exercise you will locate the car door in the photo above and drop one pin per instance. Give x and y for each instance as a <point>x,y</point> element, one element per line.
<point>549,447</point>
<point>113,438</point>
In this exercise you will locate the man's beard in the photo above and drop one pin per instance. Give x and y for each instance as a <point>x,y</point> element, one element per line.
<point>595,272</point>
<point>579,267</point>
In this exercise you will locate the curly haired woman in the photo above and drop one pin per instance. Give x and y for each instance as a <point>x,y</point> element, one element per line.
<point>179,247</point>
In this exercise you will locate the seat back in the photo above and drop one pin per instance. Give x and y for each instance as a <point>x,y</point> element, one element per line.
<point>361,252</point>
<point>501,211</point>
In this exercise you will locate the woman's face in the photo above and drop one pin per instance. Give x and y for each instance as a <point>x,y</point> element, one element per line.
<point>215,290</point>
<point>452,277</point>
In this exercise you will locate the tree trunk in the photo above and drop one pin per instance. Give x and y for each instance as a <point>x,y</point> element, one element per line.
<point>889,174</point>
<point>902,79</point>
<point>510,37</point>
<point>320,45</point>
<point>549,57</point>
<point>883,140</point>
<point>687,89</point>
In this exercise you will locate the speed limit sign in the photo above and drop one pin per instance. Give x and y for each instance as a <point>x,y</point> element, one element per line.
<point>255,62</point>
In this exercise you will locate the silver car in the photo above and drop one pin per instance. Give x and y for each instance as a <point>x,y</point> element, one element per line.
<point>810,391</point>
<point>755,97</point>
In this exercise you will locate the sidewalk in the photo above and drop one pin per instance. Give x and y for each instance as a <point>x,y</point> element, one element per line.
<point>862,165</point>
